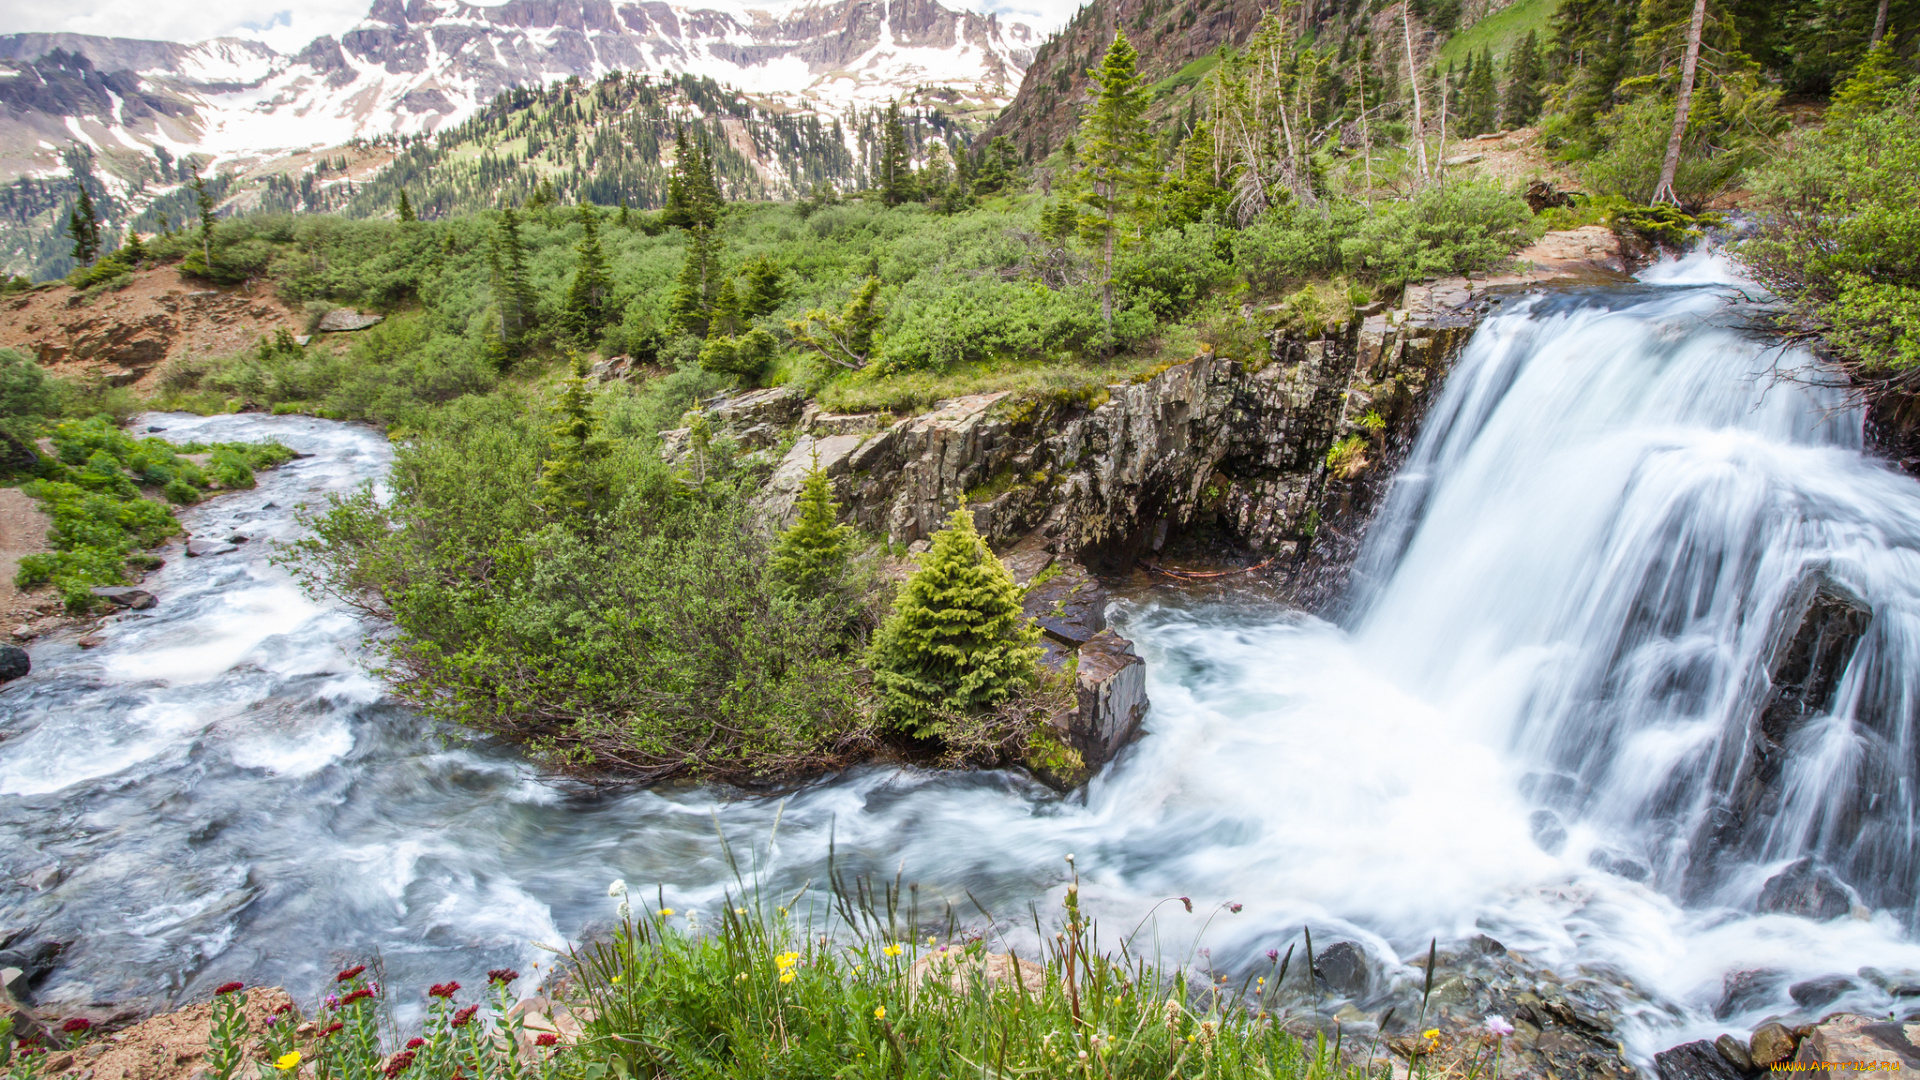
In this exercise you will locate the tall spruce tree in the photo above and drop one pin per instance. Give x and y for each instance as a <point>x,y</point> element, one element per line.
<point>693,197</point>
<point>83,224</point>
<point>512,291</point>
<point>204,203</point>
<point>567,488</point>
<point>589,303</point>
<point>957,641</point>
<point>1526,70</point>
<point>691,303</point>
<point>404,208</point>
<point>766,287</point>
<point>810,557</point>
<point>1479,97</point>
<point>896,160</point>
<point>1113,160</point>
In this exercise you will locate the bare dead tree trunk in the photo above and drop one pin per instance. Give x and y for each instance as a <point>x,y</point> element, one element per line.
<point>1879,25</point>
<point>1413,77</point>
<point>1366,133</point>
<point>1671,167</point>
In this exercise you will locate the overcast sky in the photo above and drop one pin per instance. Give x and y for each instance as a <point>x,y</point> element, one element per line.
<point>286,25</point>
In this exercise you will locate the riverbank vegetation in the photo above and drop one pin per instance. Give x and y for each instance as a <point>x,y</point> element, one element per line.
<point>753,990</point>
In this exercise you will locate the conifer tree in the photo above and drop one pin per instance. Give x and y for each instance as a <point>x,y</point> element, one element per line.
<point>956,641</point>
<point>512,291</point>
<point>1525,72</point>
<point>810,557</point>
<point>691,303</point>
<point>204,202</point>
<point>83,224</point>
<point>724,319</point>
<point>135,249</point>
<point>843,337</point>
<point>896,160</point>
<point>766,287</point>
<point>1114,160</point>
<point>1873,85</point>
<point>405,208</point>
<point>589,306</point>
<point>1479,98</point>
<point>693,198</point>
<point>566,489</point>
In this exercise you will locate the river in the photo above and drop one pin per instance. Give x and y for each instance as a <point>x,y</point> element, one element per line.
<point>1561,608</point>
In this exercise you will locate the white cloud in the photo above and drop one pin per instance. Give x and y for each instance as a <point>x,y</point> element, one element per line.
<point>288,28</point>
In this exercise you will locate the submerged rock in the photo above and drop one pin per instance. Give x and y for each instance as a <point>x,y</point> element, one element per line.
<point>126,597</point>
<point>1743,990</point>
<point>1816,994</point>
<point>1802,889</point>
<point>1344,969</point>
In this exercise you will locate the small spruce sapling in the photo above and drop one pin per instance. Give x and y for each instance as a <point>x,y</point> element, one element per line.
<point>810,557</point>
<point>957,640</point>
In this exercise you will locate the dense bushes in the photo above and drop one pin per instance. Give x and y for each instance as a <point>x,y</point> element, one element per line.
<point>1839,235</point>
<point>647,635</point>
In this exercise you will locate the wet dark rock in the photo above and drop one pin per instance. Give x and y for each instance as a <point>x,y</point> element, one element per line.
<point>1743,990</point>
<point>154,429</point>
<point>1895,983</point>
<point>1619,865</point>
<point>122,596</point>
<point>1815,994</point>
<point>1070,606</point>
<point>35,959</point>
<point>1694,1061</point>
<point>1806,891</point>
<point>1343,968</point>
<point>1482,945</point>
<point>1548,832</point>
<point>14,663</point>
<point>198,549</point>
<point>1734,1052</point>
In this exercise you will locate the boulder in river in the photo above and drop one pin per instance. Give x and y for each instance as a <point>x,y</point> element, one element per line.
<point>197,549</point>
<point>1735,1053</point>
<point>1771,1042</point>
<point>1805,890</point>
<point>124,596</point>
<point>14,663</point>
<point>1743,990</point>
<point>1815,994</point>
<point>1695,1061</point>
<point>1343,969</point>
<point>1548,832</point>
<point>1852,1043</point>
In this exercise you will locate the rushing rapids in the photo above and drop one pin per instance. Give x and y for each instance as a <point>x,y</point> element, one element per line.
<point>1531,727</point>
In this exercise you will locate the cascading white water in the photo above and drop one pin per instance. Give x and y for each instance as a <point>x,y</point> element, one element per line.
<point>1562,607</point>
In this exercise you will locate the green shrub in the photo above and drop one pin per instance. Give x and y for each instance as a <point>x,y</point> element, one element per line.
<point>957,641</point>
<point>1462,227</point>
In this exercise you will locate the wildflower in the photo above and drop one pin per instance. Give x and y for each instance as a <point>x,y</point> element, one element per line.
<point>547,1038</point>
<point>333,1001</point>
<point>742,977</point>
<point>786,976</point>
<point>229,988</point>
<point>786,960</point>
<point>1234,907</point>
<point>416,1043</point>
<point>739,911</point>
<point>1069,858</point>
<point>880,1013</point>
<point>782,911</point>
<point>283,1007</point>
<point>1432,1035</point>
<point>398,1063</point>
<point>891,950</point>
<point>616,980</point>
<point>1273,956</point>
<point>618,888</point>
<point>331,1029</point>
<point>502,976</point>
<point>79,1025</point>
<point>461,1018</point>
<point>443,990</point>
<point>1261,981</point>
<point>272,1019</point>
<point>352,972</point>
<point>666,913</point>
<point>1173,1012</point>
<point>288,1060</point>
<point>625,911</point>
<point>1188,901</point>
<point>363,992</point>
<point>929,941</point>
<point>1498,1027</point>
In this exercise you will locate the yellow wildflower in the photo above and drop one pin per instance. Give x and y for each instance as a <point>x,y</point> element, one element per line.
<point>786,960</point>
<point>891,950</point>
<point>666,913</point>
<point>288,1060</point>
<point>880,1013</point>
<point>786,976</point>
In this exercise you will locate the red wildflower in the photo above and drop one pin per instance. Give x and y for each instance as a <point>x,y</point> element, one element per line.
<point>461,1018</point>
<point>229,988</point>
<point>503,976</point>
<point>79,1025</point>
<point>350,973</point>
<point>399,1062</point>
<point>416,1043</point>
<point>547,1038</point>
<point>443,990</point>
<point>363,992</point>
<point>283,1007</point>
<point>331,1028</point>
